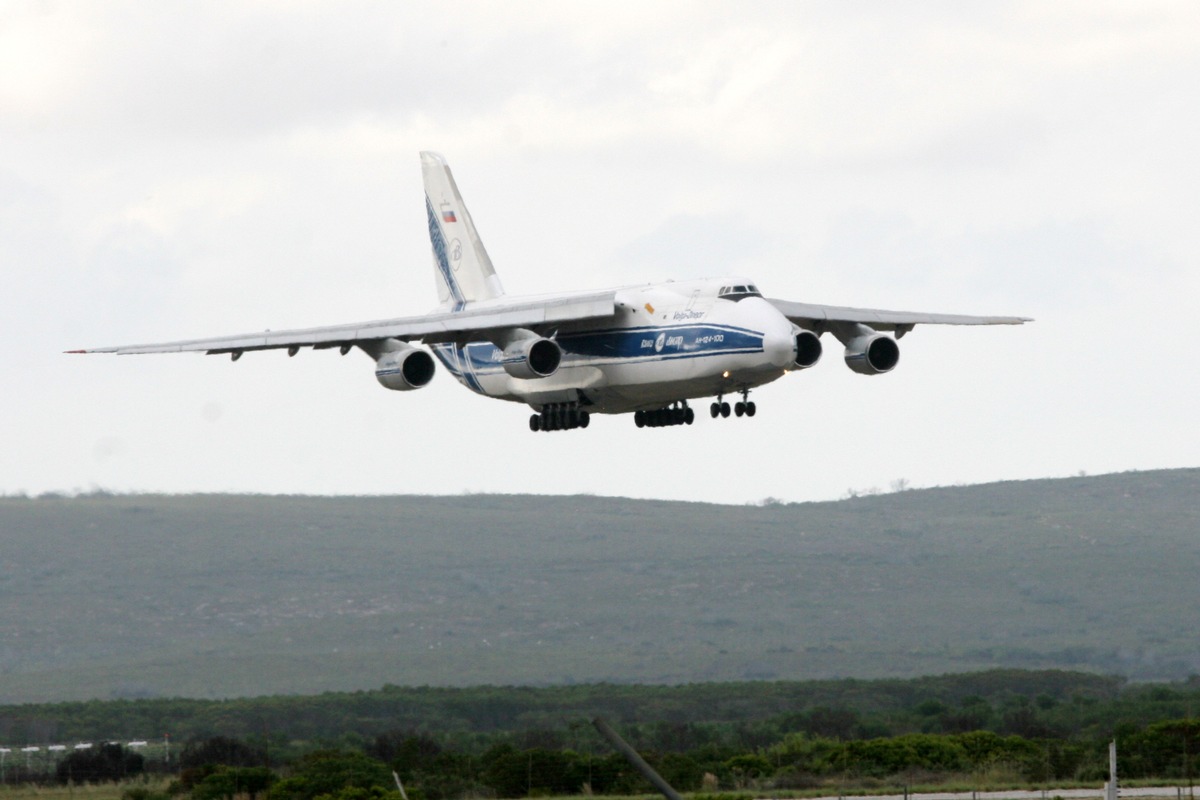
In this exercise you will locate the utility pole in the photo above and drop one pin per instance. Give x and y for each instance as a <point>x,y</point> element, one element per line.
<point>1187,762</point>
<point>1110,788</point>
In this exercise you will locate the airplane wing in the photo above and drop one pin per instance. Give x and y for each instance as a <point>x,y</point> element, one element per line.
<point>817,317</point>
<point>466,324</point>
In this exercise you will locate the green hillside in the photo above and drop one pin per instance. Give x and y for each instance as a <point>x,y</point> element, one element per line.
<point>210,596</point>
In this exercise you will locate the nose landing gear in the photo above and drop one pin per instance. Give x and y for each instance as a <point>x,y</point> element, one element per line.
<point>744,407</point>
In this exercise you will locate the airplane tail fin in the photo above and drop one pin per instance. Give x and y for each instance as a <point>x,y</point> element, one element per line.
<point>462,269</point>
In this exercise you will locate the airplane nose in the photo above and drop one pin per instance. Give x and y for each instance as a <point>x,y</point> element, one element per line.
<point>779,347</point>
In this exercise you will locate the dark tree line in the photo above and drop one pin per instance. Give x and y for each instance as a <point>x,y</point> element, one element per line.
<point>224,768</point>
<point>431,770</point>
<point>506,741</point>
<point>1061,702</point>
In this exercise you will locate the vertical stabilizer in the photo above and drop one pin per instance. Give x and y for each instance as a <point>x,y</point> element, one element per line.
<point>463,271</point>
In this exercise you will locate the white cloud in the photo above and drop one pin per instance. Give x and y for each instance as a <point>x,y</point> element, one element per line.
<point>170,171</point>
<point>43,56</point>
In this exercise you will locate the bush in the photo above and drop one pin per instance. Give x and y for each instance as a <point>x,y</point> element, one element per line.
<point>229,782</point>
<point>106,763</point>
<point>143,793</point>
<point>221,750</point>
<point>329,772</point>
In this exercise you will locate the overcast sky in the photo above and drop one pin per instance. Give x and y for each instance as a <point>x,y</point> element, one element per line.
<point>192,169</point>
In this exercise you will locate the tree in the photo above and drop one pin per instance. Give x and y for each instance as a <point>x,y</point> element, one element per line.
<point>229,782</point>
<point>221,750</point>
<point>1167,749</point>
<point>358,793</point>
<point>108,762</point>
<point>329,772</point>
<point>745,768</point>
<point>407,755</point>
<point>518,773</point>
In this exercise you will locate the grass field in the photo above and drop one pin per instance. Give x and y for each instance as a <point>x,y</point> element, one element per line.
<point>106,791</point>
<point>964,785</point>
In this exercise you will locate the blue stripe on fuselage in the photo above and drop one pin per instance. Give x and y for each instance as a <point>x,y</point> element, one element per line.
<point>452,359</point>
<point>662,341</point>
<point>612,346</point>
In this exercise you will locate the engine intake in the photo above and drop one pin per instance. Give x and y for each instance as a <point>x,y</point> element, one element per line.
<point>404,369</point>
<point>808,349</point>
<point>531,358</point>
<point>873,354</point>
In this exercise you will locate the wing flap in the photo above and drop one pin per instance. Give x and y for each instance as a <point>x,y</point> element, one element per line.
<point>469,323</point>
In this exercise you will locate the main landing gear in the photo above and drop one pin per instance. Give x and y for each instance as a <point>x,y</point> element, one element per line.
<point>559,417</point>
<point>743,407</point>
<point>678,414</point>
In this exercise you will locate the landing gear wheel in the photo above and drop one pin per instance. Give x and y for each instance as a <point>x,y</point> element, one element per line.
<point>715,410</point>
<point>751,409</point>
<point>679,413</point>
<point>739,409</point>
<point>560,417</point>
<point>724,409</point>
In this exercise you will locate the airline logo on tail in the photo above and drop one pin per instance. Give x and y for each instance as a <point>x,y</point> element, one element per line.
<point>441,259</point>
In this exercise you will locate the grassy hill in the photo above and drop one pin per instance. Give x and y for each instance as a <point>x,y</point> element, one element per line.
<point>212,596</point>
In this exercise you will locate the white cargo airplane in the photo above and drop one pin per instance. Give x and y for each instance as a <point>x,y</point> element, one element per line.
<point>642,349</point>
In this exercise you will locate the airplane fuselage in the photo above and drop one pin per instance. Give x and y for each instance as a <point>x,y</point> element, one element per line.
<point>665,343</point>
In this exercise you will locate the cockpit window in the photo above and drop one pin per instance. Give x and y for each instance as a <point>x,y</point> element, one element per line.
<point>736,293</point>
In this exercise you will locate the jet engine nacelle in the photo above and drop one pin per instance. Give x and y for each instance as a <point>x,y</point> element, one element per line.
<point>808,350</point>
<point>872,354</point>
<point>534,357</point>
<point>404,368</point>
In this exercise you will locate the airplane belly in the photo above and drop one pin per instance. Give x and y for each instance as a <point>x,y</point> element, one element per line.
<point>620,369</point>
<point>631,387</point>
<point>649,367</point>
